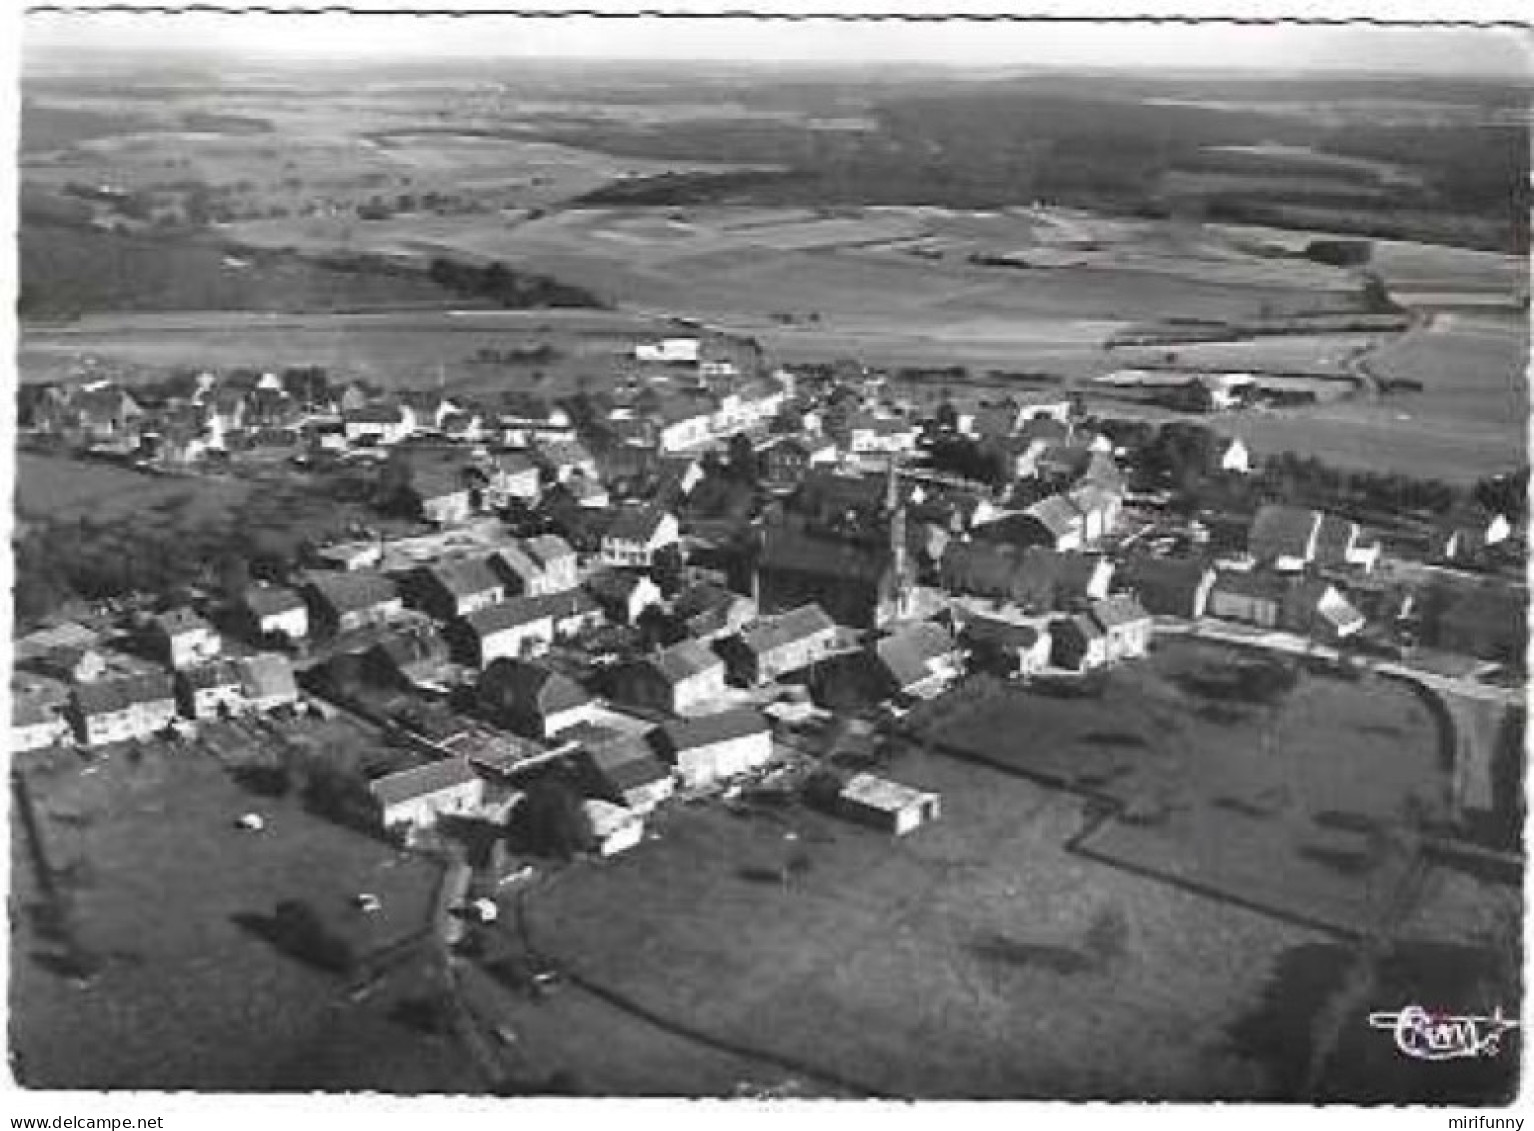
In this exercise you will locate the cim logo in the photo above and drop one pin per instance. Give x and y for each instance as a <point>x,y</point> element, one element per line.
<point>1424,1034</point>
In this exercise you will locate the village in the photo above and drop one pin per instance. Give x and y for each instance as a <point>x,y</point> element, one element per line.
<point>721,582</point>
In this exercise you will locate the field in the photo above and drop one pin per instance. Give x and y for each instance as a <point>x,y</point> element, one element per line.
<point>168,896</point>
<point>49,487</point>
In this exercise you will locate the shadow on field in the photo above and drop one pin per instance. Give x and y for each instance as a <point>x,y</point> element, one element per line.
<point>1103,942</point>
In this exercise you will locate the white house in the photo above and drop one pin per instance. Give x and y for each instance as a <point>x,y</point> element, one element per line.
<point>712,748</point>
<point>519,627</point>
<point>668,351</point>
<point>416,799</point>
<point>381,424</point>
<point>637,534</point>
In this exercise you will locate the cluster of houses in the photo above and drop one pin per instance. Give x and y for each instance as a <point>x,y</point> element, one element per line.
<point>643,644</point>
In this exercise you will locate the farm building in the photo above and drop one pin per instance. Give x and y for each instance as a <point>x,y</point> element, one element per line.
<point>439,497</point>
<point>886,805</point>
<point>274,612</point>
<point>343,602</point>
<point>183,639</point>
<point>134,706</point>
<point>1078,642</point>
<point>676,679</point>
<point>1250,598</point>
<point>210,690</point>
<point>711,748</point>
<point>707,612</point>
<point>1013,647</point>
<point>637,534</point>
<point>266,680</point>
<point>380,424</point>
<point>621,768</point>
<point>416,655</point>
<point>614,828</point>
<point>455,589</point>
<point>775,646</point>
<point>416,799</point>
<point>1169,587</point>
<point>519,627</point>
<point>1126,627</point>
<point>623,596</point>
<point>531,699</point>
<point>36,721</point>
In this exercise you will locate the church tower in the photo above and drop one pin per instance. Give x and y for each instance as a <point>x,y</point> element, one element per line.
<point>900,563</point>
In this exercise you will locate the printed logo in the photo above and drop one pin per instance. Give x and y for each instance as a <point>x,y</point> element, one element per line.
<point>1424,1034</point>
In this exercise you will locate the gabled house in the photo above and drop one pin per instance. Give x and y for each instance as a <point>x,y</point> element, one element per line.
<point>1467,531</point>
<point>416,655</point>
<point>886,805</point>
<point>414,800</point>
<point>210,690</point>
<point>1015,647</point>
<point>1250,598</point>
<point>526,419</point>
<point>183,639</point>
<point>36,722</point>
<point>455,589</point>
<point>111,710</point>
<point>1169,587</point>
<point>1078,642</point>
<point>775,646</point>
<point>274,612</point>
<point>563,460</point>
<point>709,749</point>
<point>918,660</point>
<point>1320,610</point>
<point>1099,508</point>
<point>1126,627</point>
<point>531,699</point>
<point>677,679</point>
<point>623,595</point>
<point>381,424</point>
<point>572,612</point>
<point>637,534</point>
<point>344,602</point>
<point>707,612</point>
<point>266,681</point>
<point>439,497</point>
<point>622,769</point>
<point>787,460</point>
<point>1053,522</point>
<point>508,477</point>
<point>516,628</point>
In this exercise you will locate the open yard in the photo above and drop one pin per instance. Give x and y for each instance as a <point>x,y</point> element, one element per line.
<point>176,909</point>
<point>60,488</point>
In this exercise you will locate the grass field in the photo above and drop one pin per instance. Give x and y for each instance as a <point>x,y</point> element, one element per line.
<point>159,881</point>
<point>56,487</point>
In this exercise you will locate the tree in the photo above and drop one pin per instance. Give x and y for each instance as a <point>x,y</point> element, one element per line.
<point>553,820</point>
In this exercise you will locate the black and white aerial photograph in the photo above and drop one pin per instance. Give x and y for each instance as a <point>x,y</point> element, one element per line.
<point>782,559</point>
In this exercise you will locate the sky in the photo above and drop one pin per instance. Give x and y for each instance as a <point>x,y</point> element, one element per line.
<point>1424,50</point>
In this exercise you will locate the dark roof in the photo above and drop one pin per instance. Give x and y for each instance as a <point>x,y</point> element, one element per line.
<point>996,630</point>
<point>907,652</point>
<point>614,584</point>
<point>515,558</point>
<point>111,695</point>
<point>684,660</point>
<point>514,612</point>
<point>270,600</point>
<point>177,621</point>
<point>705,730</point>
<point>798,551</point>
<point>1055,513</point>
<point>422,781</point>
<point>1333,536</point>
<point>547,549</point>
<point>1162,581</point>
<point>220,673</point>
<point>636,524</point>
<point>1118,610</point>
<point>353,590</point>
<point>570,603</point>
<point>1279,530</point>
<point>415,647</point>
<point>626,762</point>
<point>1260,586</point>
<point>465,578</point>
<point>382,413</point>
<point>267,674</point>
<point>533,685</point>
<point>770,633</point>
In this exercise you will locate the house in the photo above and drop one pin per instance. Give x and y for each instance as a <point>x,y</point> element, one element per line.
<point>560,566</point>
<point>183,639</point>
<point>709,749</point>
<point>526,419</point>
<point>1317,608</point>
<point>668,351</point>
<point>465,426</point>
<point>509,477</point>
<point>344,602</point>
<point>1012,646</point>
<point>531,699</point>
<point>775,646</point>
<point>868,434</point>
<point>1036,578</point>
<point>614,828</point>
<point>1234,456</point>
<point>886,805</point>
<point>1126,627</point>
<point>623,595</point>
<point>430,406</point>
<point>439,497</point>
<point>211,690</point>
<point>1078,642</point>
<point>133,706</point>
<point>1053,521</point>
<point>1251,598</point>
<point>677,679</point>
<point>381,424</point>
<point>683,422</point>
<point>573,612</point>
<point>455,589</point>
<point>1099,507</point>
<point>1467,531</point>
<point>637,534</point>
<point>622,769</point>
<point>414,800</point>
<point>1343,543</point>
<point>36,721</point>
<point>564,460</point>
<point>274,612</point>
<point>71,663</point>
<point>415,655</point>
<point>348,557</point>
<point>788,459</point>
<point>517,627</point>
<point>266,681</point>
<point>917,660</point>
<point>707,611</point>
<point>1169,587</point>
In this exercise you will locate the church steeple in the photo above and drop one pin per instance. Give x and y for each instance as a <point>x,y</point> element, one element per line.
<point>895,515</point>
